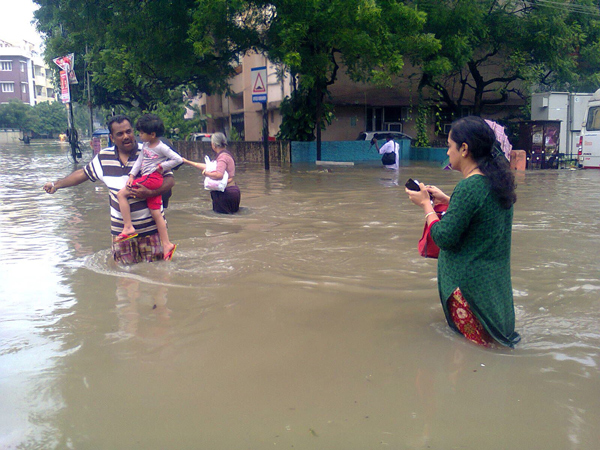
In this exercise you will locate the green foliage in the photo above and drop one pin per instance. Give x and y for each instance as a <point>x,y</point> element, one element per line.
<point>422,123</point>
<point>53,118</point>
<point>141,51</point>
<point>17,115</point>
<point>491,49</point>
<point>298,113</point>
<point>45,119</point>
<point>172,113</point>
<point>136,50</point>
<point>234,136</point>
<point>312,38</point>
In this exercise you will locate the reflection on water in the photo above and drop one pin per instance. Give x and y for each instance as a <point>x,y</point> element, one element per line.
<point>307,321</point>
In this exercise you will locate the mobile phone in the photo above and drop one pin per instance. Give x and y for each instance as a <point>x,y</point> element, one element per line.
<point>413,185</point>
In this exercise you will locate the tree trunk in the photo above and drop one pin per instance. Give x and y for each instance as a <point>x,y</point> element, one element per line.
<point>318,118</point>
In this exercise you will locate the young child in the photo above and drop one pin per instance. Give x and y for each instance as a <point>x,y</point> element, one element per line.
<point>154,159</point>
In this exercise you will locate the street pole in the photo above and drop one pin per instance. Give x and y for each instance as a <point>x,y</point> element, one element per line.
<point>89,93</point>
<point>266,134</point>
<point>260,83</point>
<point>90,105</point>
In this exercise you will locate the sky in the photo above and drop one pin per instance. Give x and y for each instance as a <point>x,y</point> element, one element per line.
<point>16,24</point>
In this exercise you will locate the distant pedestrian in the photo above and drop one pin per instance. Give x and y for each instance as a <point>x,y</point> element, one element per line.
<point>389,152</point>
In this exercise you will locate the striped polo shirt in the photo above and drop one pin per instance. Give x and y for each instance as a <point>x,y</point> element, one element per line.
<point>107,167</point>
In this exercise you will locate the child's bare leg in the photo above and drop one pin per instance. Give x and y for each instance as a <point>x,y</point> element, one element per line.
<point>161,226</point>
<point>125,211</point>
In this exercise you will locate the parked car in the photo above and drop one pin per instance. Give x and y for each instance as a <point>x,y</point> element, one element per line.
<point>381,135</point>
<point>204,137</point>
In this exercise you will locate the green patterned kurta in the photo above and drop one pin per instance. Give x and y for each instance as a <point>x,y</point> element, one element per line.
<point>474,237</point>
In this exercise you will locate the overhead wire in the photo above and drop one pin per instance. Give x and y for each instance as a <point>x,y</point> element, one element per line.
<point>567,6</point>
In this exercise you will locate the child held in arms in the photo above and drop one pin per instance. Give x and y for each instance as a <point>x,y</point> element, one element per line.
<point>155,158</point>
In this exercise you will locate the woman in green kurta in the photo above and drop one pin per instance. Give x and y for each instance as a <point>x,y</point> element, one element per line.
<point>474,236</point>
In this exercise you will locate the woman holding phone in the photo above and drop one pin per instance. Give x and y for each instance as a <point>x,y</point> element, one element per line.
<point>474,236</point>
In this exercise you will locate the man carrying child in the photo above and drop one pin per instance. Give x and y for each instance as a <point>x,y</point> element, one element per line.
<point>112,166</point>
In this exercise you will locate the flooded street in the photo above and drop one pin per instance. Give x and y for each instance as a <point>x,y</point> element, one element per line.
<point>307,321</point>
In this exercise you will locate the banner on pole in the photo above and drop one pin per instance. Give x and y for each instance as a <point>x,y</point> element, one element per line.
<point>65,94</point>
<point>66,63</point>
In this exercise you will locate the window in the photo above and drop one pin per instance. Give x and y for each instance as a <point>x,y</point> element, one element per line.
<point>23,66</point>
<point>6,66</point>
<point>237,122</point>
<point>38,91</point>
<point>50,92</point>
<point>593,122</point>
<point>8,87</point>
<point>23,88</point>
<point>393,114</point>
<point>394,126</point>
<point>237,102</point>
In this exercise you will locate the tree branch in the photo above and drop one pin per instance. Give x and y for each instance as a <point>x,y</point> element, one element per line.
<point>506,80</point>
<point>502,99</point>
<point>335,67</point>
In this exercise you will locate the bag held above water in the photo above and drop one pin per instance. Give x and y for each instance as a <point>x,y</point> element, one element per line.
<point>428,248</point>
<point>209,183</point>
<point>388,159</point>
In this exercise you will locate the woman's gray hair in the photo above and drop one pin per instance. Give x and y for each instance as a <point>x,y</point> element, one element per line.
<point>218,140</point>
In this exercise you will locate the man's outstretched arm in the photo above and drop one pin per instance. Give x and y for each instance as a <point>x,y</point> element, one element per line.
<point>73,179</point>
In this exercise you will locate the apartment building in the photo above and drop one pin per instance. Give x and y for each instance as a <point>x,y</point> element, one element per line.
<point>235,110</point>
<point>358,106</point>
<point>24,75</point>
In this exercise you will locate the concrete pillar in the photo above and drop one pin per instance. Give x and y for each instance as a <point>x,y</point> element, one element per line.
<point>518,159</point>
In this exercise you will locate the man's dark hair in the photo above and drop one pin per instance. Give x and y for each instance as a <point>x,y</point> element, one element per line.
<point>120,118</point>
<point>150,123</point>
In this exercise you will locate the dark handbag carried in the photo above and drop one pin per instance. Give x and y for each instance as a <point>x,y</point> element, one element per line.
<point>389,159</point>
<point>428,248</point>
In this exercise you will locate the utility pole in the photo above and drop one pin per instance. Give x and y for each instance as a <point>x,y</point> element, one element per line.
<point>259,95</point>
<point>89,93</point>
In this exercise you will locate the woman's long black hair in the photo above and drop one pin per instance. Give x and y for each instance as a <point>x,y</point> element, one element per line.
<point>486,151</point>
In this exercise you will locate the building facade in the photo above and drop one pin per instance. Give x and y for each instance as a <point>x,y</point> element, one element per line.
<point>236,111</point>
<point>358,106</point>
<point>23,74</point>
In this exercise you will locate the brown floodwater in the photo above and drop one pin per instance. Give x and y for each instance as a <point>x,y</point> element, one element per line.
<point>307,321</point>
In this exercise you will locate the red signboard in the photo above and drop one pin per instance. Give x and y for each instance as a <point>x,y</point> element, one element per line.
<point>66,63</point>
<point>65,95</point>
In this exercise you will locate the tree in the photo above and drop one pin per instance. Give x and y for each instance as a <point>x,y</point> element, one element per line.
<point>314,38</point>
<point>18,115</point>
<point>44,119</point>
<point>139,50</point>
<point>136,50</point>
<point>298,116</point>
<point>52,118</point>
<point>491,48</point>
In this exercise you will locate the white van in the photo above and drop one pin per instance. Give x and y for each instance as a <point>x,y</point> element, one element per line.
<point>589,142</point>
